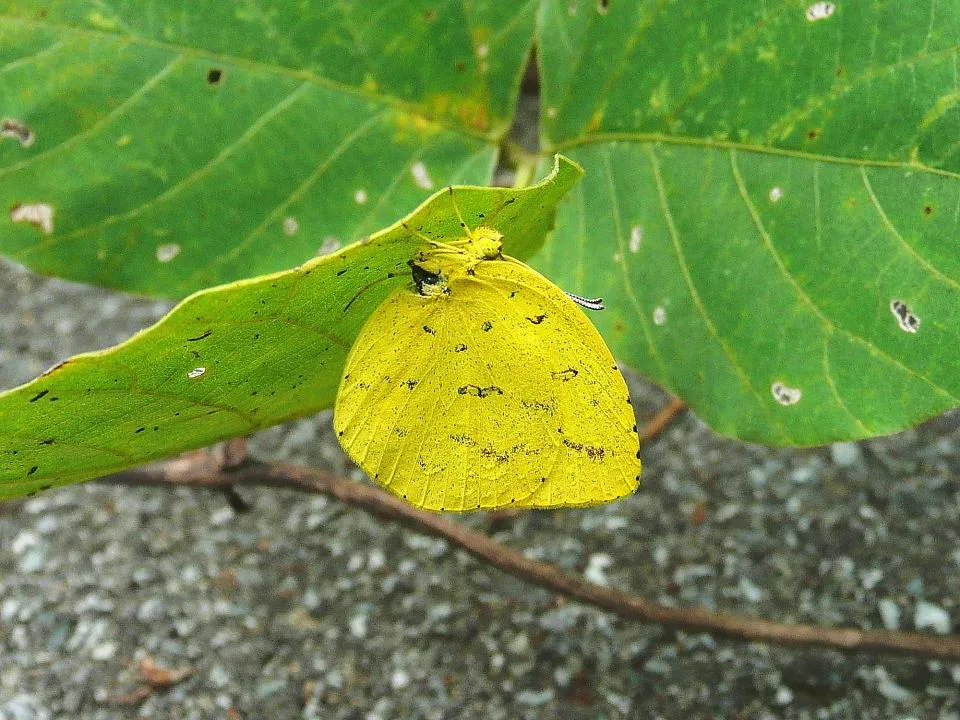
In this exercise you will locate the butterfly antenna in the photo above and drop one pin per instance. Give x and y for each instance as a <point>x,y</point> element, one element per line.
<point>430,241</point>
<point>449,248</point>
<point>366,287</point>
<point>588,303</point>
<point>456,208</point>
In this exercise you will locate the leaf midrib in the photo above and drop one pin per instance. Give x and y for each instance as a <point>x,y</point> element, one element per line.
<point>714,144</point>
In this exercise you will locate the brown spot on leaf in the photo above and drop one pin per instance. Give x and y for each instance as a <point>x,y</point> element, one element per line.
<point>10,128</point>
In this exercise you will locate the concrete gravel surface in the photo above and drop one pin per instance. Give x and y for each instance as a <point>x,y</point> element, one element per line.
<point>304,608</point>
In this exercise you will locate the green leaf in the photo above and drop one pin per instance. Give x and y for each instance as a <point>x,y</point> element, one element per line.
<point>766,184</point>
<point>240,357</point>
<point>191,144</point>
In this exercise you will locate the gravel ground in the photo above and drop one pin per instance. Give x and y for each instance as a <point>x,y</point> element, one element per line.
<point>303,608</point>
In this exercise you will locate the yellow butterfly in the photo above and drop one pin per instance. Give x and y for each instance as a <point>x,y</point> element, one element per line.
<point>483,385</point>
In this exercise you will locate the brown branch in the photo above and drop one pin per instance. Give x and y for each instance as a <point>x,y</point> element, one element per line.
<point>659,422</point>
<point>206,472</point>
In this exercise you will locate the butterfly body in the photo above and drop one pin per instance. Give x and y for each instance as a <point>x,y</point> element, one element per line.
<point>482,385</point>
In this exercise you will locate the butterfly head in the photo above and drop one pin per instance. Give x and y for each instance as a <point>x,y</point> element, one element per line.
<point>428,276</point>
<point>482,243</point>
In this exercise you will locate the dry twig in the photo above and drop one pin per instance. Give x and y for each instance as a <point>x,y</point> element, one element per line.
<point>659,422</point>
<point>208,471</point>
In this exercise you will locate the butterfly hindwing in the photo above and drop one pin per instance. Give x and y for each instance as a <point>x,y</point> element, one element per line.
<point>572,385</point>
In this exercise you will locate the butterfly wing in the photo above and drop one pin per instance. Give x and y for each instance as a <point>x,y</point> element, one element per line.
<point>499,393</point>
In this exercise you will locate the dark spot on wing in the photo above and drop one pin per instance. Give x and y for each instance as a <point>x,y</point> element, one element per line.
<point>429,330</point>
<point>594,453</point>
<point>538,406</point>
<point>39,395</point>
<point>478,391</point>
<point>565,375</point>
<point>538,319</point>
<point>460,347</point>
<point>205,335</point>
<point>487,326</point>
<point>492,453</point>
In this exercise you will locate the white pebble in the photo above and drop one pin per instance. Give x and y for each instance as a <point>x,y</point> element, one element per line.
<point>399,680</point>
<point>358,626</point>
<point>9,609</point>
<point>519,645</point>
<point>889,614</point>
<point>661,555</point>
<point>889,688</point>
<point>596,567</point>
<point>533,698</point>
<point>933,617</point>
<point>376,559</point>
<point>870,578</point>
<point>845,454</point>
<point>24,539</point>
<point>750,591</point>
<point>104,651</point>
<point>687,573</point>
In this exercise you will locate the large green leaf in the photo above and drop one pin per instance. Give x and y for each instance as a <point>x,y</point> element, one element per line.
<point>772,191</point>
<point>237,358</point>
<point>766,184</point>
<point>178,145</point>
